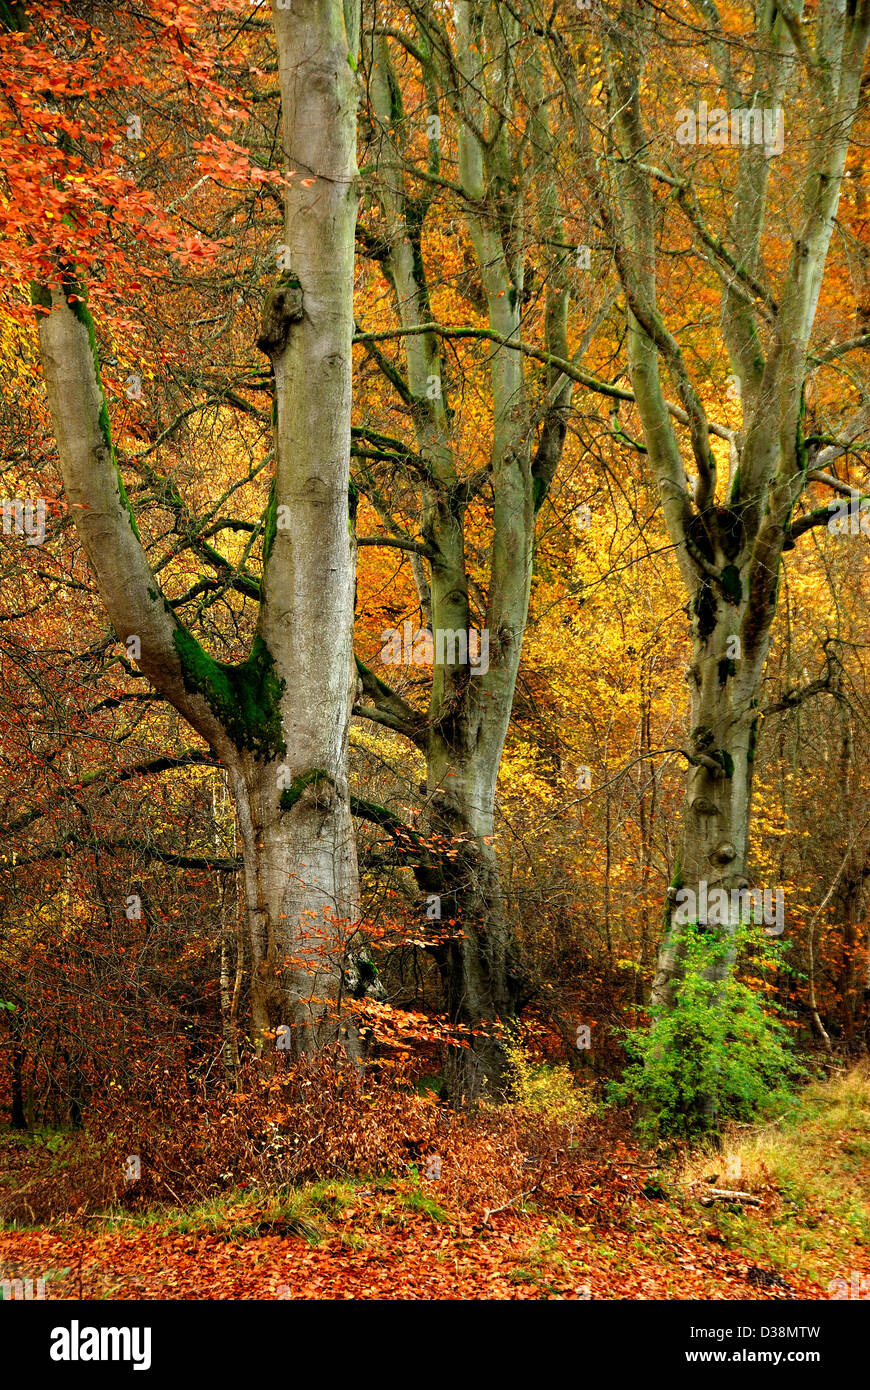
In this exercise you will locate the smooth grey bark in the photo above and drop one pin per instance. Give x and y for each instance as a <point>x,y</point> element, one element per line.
<point>729,551</point>
<point>279,722</point>
<point>464,732</point>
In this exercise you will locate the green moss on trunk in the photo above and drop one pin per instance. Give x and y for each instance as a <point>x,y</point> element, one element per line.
<point>290,795</point>
<point>753,741</point>
<point>270,527</point>
<point>74,294</point>
<point>731,585</point>
<point>245,698</point>
<point>674,887</point>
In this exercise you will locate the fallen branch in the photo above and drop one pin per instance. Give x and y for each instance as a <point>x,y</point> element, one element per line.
<point>721,1194</point>
<point>520,1196</point>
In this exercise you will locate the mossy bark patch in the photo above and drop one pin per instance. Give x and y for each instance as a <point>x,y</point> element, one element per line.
<point>731,585</point>
<point>245,698</point>
<point>290,795</point>
<point>270,528</point>
<point>753,741</point>
<point>41,295</point>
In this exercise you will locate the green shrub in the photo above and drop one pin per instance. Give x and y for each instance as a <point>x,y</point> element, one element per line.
<point>719,1054</point>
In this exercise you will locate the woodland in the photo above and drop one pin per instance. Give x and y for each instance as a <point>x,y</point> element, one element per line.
<point>434,649</point>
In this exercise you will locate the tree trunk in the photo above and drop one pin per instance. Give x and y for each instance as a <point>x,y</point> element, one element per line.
<point>278,721</point>
<point>478,962</point>
<point>728,542</point>
<point>470,710</point>
<point>712,846</point>
<point>18,1117</point>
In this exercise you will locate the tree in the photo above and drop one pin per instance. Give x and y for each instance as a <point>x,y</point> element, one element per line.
<point>730,531</point>
<point>279,721</point>
<point>477,134</point>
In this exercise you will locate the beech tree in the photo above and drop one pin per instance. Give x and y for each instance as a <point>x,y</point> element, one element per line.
<point>279,721</point>
<point>784,93</point>
<point>478,135</point>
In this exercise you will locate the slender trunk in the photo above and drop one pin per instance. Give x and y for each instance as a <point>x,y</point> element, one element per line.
<point>228,1029</point>
<point>470,710</point>
<point>480,971</point>
<point>847,982</point>
<point>18,1118</point>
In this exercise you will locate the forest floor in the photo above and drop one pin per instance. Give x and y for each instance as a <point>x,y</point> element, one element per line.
<point>628,1224</point>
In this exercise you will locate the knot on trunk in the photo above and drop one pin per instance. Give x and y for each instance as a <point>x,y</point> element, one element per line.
<point>283,306</point>
<point>361,978</point>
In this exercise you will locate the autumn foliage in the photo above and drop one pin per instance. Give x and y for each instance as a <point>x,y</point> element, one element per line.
<point>143,177</point>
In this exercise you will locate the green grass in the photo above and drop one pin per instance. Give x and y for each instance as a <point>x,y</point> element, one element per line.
<point>545,1263</point>
<point>418,1199</point>
<point>303,1211</point>
<point>308,1211</point>
<point>816,1159</point>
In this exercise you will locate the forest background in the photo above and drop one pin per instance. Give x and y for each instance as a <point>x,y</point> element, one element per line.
<point>581,324</point>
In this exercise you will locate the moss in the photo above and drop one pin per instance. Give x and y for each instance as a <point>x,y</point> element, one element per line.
<point>12,16</point>
<point>415,224</point>
<point>753,742</point>
<point>40,295</point>
<point>290,795</point>
<point>271,526</point>
<point>397,112</point>
<point>76,303</point>
<point>380,815</point>
<point>125,501</point>
<point>734,493</point>
<point>704,605</point>
<point>731,585</point>
<point>245,698</point>
<point>674,887</point>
